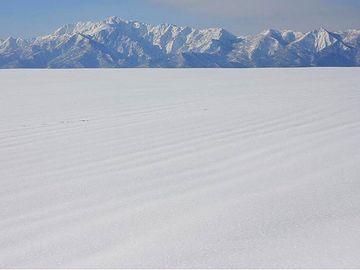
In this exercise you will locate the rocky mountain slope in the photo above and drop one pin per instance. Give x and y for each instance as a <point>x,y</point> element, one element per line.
<point>116,43</point>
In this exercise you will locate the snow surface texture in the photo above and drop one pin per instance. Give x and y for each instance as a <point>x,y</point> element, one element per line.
<point>180,168</point>
<point>114,43</point>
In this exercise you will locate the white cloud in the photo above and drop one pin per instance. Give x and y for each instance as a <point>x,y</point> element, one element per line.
<point>257,7</point>
<point>299,14</point>
<point>231,7</point>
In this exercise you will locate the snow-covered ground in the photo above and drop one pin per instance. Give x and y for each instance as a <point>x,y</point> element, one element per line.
<point>180,168</point>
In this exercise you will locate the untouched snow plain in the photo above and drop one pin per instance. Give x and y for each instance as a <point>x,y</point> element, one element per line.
<point>180,168</point>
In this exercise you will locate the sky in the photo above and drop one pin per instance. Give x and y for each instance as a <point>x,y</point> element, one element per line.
<point>30,18</point>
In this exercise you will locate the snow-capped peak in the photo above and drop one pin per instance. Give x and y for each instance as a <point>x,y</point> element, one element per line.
<point>291,36</point>
<point>323,39</point>
<point>115,20</point>
<point>115,42</point>
<point>11,43</point>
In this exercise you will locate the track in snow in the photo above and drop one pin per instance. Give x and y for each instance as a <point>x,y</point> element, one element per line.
<point>180,168</point>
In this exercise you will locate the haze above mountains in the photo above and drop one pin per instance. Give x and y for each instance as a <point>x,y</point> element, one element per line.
<point>115,43</point>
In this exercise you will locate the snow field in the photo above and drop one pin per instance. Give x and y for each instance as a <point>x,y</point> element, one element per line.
<point>180,168</point>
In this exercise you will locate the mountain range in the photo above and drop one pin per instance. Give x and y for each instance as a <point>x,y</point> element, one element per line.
<point>116,43</point>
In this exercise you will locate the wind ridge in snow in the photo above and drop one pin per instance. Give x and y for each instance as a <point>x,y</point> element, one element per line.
<point>180,169</point>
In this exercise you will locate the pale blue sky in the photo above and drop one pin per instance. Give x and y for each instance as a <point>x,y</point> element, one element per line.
<point>27,18</point>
